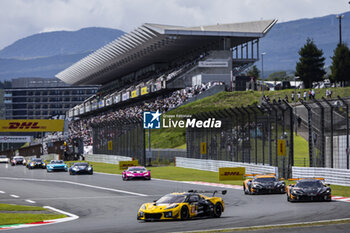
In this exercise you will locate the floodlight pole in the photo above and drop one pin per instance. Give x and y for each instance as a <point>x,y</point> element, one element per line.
<point>340,17</point>
<point>262,73</point>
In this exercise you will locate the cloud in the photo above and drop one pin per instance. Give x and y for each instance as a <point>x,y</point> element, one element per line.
<point>20,18</point>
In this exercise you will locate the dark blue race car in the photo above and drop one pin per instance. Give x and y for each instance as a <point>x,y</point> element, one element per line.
<point>81,168</point>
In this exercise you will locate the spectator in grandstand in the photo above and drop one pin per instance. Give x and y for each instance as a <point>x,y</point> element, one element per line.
<point>313,94</point>
<point>82,128</point>
<point>304,95</point>
<point>298,96</point>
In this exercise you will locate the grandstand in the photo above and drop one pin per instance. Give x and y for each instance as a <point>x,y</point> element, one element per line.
<point>159,67</point>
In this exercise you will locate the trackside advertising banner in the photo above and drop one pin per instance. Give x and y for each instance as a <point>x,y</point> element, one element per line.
<point>231,173</point>
<point>31,125</point>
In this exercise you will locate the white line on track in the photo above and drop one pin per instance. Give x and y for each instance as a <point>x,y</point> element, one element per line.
<point>78,184</point>
<point>30,201</point>
<point>2,192</point>
<point>15,196</point>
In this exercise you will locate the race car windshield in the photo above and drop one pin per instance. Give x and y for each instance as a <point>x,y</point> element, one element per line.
<point>81,164</point>
<point>265,180</point>
<point>137,169</point>
<point>36,160</point>
<point>3,156</point>
<point>309,184</point>
<point>170,198</point>
<point>57,162</point>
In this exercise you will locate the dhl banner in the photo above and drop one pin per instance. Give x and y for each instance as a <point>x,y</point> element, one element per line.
<point>31,125</point>
<point>231,173</point>
<point>126,164</point>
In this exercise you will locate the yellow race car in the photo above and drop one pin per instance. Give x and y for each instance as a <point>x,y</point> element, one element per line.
<point>182,206</point>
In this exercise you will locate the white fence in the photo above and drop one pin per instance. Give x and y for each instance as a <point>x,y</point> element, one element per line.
<point>214,165</point>
<point>332,175</point>
<point>113,159</point>
<point>50,157</point>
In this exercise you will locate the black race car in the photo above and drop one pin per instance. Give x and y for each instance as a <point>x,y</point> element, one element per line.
<point>81,168</point>
<point>309,189</point>
<point>263,183</point>
<point>18,160</point>
<point>36,163</point>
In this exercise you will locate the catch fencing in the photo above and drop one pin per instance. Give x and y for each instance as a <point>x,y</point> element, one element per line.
<point>120,137</point>
<point>214,165</point>
<point>331,175</point>
<point>248,135</point>
<point>325,123</point>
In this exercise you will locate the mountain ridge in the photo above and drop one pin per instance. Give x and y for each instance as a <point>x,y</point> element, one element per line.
<point>46,54</point>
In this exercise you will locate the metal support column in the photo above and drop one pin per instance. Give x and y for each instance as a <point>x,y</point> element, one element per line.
<point>331,107</point>
<point>309,121</point>
<point>347,132</point>
<point>323,156</point>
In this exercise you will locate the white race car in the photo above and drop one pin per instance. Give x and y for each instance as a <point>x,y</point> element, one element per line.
<point>4,159</point>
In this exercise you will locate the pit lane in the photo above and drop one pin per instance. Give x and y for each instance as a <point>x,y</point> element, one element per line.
<point>104,209</point>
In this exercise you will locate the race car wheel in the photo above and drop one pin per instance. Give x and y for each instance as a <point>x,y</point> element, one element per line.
<point>184,213</point>
<point>288,198</point>
<point>91,173</point>
<point>217,210</point>
<point>124,178</point>
<point>246,192</point>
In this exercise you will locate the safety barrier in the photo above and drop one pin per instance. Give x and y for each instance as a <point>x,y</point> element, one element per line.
<point>102,158</point>
<point>214,165</point>
<point>50,157</point>
<point>331,175</point>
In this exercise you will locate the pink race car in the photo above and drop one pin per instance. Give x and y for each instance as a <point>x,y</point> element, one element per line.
<point>136,173</point>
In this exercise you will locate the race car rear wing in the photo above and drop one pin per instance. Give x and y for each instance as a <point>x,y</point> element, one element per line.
<point>261,174</point>
<point>316,178</point>
<point>223,192</point>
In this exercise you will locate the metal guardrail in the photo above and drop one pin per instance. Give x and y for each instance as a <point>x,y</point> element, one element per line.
<point>331,175</point>
<point>214,165</point>
<point>102,158</point>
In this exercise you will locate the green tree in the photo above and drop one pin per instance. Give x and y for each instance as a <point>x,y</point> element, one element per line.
<point>311,62</point>
<point>340,68</point>
<point>278,76</point>
<point>253,72</point>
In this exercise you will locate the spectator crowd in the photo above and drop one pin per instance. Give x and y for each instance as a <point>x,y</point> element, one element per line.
<point>82,128</point>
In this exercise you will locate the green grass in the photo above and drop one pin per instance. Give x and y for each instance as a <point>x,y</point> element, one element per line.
<point>9,207</point>
<point>183,146</point>
<point>301,151</point>
<point>19,218</point>
<point>173,138</point>
<point>23,217</point>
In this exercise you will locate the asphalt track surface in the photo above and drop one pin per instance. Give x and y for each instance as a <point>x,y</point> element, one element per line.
<point>105,203</point>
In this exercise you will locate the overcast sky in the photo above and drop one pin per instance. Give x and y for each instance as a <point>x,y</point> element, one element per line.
<point>21,18</point>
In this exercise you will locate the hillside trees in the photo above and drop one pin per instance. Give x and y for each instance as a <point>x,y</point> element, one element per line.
<point>340,67</point>
<point>311,62</point>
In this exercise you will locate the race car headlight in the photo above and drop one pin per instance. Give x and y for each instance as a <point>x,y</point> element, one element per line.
<point>146,174</point>
<point>75,168</point>
<point>32,164</point>
<point>172,206</point>
<point>89,168</point>
<point>130,174</point>
<point>143,207</point>
<point>168,214</point>
<point>141,214</point>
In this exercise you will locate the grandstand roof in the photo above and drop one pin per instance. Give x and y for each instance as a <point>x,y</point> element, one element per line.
<point>156,43</point>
